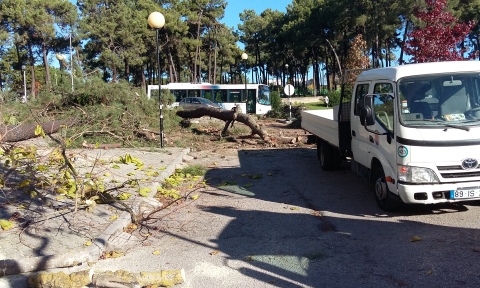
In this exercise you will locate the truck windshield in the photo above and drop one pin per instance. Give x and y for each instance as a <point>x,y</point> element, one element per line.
<point>451,100</point>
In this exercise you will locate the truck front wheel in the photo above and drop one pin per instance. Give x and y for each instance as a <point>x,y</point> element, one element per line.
<point>383,196</point>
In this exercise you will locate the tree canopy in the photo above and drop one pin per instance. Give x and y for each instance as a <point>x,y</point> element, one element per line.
<point>323,36</point>
<point>438,36</point>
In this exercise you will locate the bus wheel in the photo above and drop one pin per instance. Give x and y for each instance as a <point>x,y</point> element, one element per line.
<point>383,196</point>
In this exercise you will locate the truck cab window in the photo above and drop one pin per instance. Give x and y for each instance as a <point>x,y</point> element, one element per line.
<point>384,112</point>
<point>360,91</point>
<point>383,101</point>
<point>383,88</point>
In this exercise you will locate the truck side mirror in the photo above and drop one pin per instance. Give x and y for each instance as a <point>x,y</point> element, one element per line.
<point>367,110</point>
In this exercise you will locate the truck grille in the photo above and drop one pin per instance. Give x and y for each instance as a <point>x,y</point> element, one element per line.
<point>456,171</point>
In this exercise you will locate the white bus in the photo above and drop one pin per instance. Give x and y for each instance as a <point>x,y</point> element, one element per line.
<point>227,95</point>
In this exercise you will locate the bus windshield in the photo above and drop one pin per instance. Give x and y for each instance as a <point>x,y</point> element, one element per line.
<point>263,95</point>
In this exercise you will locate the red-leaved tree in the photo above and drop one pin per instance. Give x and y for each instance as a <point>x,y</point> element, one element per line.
<point>439,36</point>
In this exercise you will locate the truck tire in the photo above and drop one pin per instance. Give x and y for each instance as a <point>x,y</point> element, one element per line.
<point>326,155</point>
<point>384,198</point>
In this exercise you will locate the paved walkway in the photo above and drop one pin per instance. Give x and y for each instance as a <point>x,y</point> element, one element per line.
<point>50,234</point>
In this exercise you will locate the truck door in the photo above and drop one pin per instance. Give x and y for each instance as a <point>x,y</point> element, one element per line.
<point>366,145</point>
<point>384,147</point>
<point>360,144</point>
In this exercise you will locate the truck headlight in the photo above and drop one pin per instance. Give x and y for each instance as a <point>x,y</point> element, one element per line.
<point>412,174</point>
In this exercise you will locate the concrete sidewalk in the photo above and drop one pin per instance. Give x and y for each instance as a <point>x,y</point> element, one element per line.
<point>55,236</point>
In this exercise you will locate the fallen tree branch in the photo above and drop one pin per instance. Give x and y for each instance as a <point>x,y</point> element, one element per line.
<point>15,133</point>
<point>228,116</point>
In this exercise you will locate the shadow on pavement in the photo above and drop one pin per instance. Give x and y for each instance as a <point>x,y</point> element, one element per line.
<point>326,230</point>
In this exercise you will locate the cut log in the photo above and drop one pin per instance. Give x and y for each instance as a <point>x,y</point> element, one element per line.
<point>119,278</point>
<point>15,133</point>
<point>228,116</point>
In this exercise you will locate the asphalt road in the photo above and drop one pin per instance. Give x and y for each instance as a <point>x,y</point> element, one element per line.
<point>273,218</point>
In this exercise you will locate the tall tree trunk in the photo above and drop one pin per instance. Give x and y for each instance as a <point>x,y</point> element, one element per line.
<point>327,71</point>
<point>127,70</point>
<point>48,82</point>
<point>114,72</point>
<point>377,49</point>
<point>197,50</point>
<point>144,82</point>
<point>215,64</point>
<point>209,67</point>
<point>199,66</point>
<point>335,56</point>
<point>173,73</point>
<point>387,56</point>
<point>404,39</point>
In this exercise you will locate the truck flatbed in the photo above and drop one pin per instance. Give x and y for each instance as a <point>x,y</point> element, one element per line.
<point>321,122</point>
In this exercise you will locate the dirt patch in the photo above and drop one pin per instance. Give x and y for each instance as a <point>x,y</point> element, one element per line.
<point>206,134</point>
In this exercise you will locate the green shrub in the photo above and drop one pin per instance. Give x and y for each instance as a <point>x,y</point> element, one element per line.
<point>334,98</point>
<point>9,96</point>
<point>276,101</point>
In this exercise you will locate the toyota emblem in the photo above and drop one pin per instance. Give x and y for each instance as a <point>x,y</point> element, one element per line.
<point>469,163</point>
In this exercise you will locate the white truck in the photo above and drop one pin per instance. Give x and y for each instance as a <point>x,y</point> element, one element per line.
<point>413,130</point>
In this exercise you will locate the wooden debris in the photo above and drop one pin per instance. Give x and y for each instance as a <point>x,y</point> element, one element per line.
<point>101,146</point>
<point>59,279</point>
<point>16,133</point>
<point>120,278</point>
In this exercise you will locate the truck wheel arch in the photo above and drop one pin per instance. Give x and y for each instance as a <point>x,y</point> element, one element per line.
<point>385,199</point>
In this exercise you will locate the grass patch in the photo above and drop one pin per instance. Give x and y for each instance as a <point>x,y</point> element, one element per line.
<point>315,106</point>
<point>194,170</point>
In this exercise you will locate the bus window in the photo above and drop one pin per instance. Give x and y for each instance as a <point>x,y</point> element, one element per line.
<point>193,93</point>
<point>220,96</point>
<point>235,96</point>
<point>179,94</point>
<point>207,94</point>
<point>250,95</point>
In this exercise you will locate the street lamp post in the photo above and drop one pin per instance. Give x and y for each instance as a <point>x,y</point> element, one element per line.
<point>61,61</point>
<point>244,58</point>
<point>156,20</point>
<point>24,98</point>
<point>289,93</point>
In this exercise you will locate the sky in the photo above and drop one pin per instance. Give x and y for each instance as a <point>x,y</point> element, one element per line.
<point>235,7</point>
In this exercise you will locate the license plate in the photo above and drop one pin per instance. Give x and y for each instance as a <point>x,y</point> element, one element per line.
<point>464,193</point>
